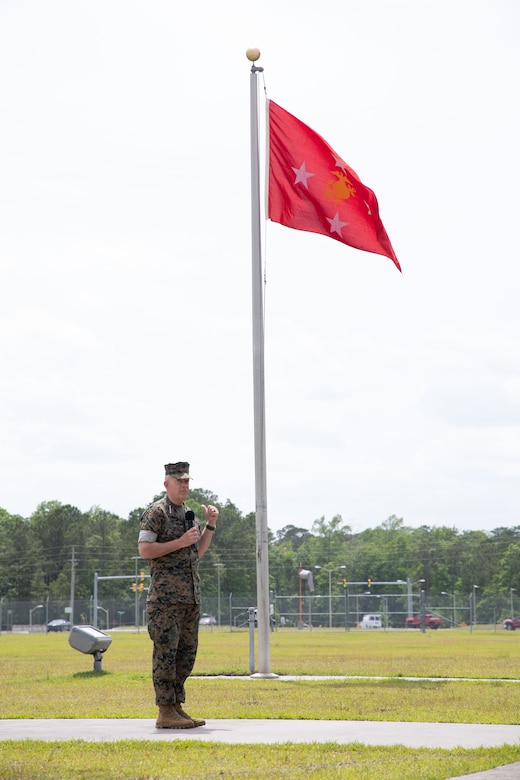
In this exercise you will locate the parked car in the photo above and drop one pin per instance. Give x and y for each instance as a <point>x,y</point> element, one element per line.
<point>430,621</point>
<point>59,625</point>
<point>207,620</point>
<point>371,621</point>
<point>511,623</point>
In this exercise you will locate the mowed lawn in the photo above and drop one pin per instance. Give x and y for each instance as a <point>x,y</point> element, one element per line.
<point>445,676</point>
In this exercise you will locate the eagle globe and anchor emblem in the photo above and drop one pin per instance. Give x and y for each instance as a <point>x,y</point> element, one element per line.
<point>340,188</point>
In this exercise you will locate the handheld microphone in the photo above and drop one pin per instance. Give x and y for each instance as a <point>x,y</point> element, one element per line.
<point>190,521</point>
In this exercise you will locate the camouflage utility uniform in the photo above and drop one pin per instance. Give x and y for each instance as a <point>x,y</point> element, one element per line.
<point>173,602</point>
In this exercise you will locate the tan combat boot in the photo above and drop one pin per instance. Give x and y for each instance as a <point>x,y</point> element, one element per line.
<point>180,711</point>
<point>169,718</point>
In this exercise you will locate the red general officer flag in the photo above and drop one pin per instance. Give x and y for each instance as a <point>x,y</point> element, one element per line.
<point>311,188</point>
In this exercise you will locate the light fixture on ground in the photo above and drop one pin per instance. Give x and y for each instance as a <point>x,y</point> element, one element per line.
<point>91,641</point>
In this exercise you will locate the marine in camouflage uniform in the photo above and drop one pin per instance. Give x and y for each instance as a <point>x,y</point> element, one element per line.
<point>173,544</point>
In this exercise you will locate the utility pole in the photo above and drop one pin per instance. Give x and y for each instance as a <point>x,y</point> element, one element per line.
<point>72,584</point>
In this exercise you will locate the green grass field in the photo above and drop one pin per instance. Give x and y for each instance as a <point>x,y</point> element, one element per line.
<point>41,676</point>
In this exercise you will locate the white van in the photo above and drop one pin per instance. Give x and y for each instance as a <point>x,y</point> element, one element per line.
<point>371,621</point>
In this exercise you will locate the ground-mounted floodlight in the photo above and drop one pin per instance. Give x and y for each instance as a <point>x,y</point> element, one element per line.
<point>91,641</point>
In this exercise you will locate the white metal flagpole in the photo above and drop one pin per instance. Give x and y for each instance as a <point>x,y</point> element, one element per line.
<point>262,556</point>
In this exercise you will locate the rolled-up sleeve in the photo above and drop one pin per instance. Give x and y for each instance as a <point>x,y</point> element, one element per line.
<point>147,536</point>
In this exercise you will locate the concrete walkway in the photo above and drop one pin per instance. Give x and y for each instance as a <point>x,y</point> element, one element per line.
<point>428,735</point>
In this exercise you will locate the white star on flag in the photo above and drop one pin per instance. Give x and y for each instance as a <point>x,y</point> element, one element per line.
<point>302,175</point>
<point>336,224</point>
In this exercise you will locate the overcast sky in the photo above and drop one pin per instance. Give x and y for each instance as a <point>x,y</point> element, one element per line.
<point>125,259</point>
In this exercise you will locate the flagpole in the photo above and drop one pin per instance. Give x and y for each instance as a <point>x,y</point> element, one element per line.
<point>262,558</point>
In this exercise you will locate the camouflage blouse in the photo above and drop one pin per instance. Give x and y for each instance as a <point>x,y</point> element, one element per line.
<point>174,578</point>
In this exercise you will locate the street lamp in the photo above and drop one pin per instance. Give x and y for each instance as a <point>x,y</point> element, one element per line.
<point>474,604</point>
<point>38,606</point>
<point>106,613</point>
<point>511,591</point>
<point>305,574</point>
<point>330,588</point>
<point>444,593</point>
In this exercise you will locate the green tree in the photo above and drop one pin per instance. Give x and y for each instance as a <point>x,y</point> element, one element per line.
<point>283,568</point>
<point>292,536</point>
<point>327,544</point>
<point>19,556</point>
<point>102,553</point>
<point>509,572</point>
<point>58,528</point>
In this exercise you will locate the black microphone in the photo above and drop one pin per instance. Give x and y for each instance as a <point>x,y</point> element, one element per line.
<point>189,518</point>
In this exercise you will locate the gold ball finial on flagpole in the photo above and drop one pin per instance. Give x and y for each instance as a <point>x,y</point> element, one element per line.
<point>253,55</point>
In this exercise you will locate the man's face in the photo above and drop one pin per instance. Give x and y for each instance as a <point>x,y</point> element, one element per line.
<point>177,489</point>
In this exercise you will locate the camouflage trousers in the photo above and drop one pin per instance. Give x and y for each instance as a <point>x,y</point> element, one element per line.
<point>174,631</point>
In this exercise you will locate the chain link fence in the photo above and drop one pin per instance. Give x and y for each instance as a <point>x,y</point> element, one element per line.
<point>340,612</point>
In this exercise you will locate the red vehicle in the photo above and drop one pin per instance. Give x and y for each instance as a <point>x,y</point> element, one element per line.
<point>512,623</point>
<point>430,621</point>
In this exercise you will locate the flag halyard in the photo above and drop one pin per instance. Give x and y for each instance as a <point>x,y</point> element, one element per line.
<point>312,188</point>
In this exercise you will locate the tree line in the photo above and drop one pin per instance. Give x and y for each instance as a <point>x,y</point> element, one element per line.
<point>39,555</point>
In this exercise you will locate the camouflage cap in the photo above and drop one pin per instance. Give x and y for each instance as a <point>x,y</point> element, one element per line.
<point>179,470</point>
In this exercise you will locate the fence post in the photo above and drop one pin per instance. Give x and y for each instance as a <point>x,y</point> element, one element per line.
<point>251,639</point>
